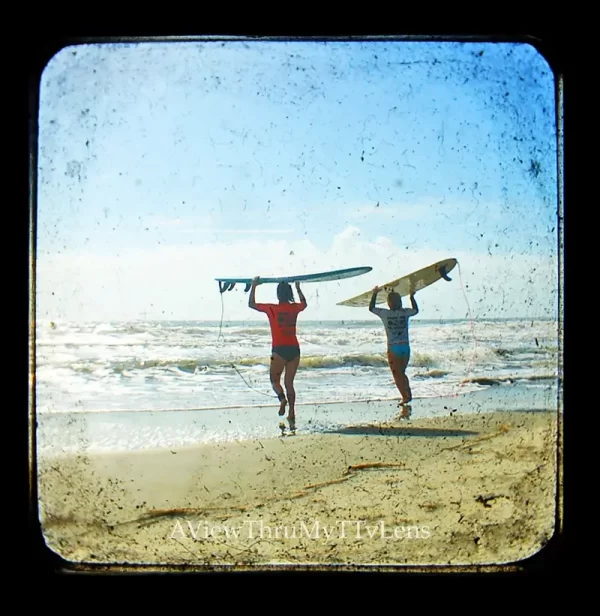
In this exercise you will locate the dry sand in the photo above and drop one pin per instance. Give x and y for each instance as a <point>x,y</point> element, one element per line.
<point>470,489</point>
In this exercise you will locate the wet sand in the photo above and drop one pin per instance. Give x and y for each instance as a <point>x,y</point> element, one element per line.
<point>468,489</point>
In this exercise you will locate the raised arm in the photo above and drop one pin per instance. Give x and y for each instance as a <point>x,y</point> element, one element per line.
<point>252,299</point>
<point>300,294</point>
<point>413,303</point>
<point>373,299</point>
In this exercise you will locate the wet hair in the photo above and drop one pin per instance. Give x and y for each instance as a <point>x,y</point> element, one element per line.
<point>285,293</point>
<point>394,300</point>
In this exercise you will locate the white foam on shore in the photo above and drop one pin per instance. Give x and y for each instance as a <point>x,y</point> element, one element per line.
<point>146,429</point>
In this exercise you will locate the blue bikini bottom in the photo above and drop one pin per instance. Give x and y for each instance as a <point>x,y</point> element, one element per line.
<point>400,350</point>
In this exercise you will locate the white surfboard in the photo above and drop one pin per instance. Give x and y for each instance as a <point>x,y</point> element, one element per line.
<point>406,285</point>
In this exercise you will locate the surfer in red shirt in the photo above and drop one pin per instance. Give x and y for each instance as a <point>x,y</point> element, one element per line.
<point>285,352</point>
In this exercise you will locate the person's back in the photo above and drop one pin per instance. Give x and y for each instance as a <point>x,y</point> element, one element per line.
<point>395,323</point>
<point>395,320</point>
<point>283,319</point>
<point>285,351</point>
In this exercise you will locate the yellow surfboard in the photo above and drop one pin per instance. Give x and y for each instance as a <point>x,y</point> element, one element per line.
<point>406,285</point>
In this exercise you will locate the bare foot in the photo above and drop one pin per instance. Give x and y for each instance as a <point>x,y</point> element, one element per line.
<point>292,422</point>
<point>406,411</point>
<point>282,405</point>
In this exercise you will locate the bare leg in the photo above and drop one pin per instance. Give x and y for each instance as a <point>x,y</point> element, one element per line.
<point>407,388</point>
<point>398,367</point>
<point>277,366</point>
<point>290,373</point>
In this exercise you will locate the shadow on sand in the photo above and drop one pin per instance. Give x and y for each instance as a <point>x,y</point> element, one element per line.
<point>400,431</point>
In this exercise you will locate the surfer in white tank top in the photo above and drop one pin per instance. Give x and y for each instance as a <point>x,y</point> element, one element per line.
<point>395,321</point>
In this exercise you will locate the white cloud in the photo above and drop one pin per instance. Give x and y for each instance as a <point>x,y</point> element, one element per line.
<point>164,221</point>
<point>399,211</point>
<point>178,221</point>
<point>373,210</point>
<point>178,282</point>
<point>239,231</point>
<point>422,208</point>
<point>203,224</point>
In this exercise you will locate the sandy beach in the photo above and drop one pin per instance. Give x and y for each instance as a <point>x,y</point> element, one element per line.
<point>464,489</point>
<point>429,167</point>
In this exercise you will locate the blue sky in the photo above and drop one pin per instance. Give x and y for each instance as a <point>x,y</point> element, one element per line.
<point>163,166</point>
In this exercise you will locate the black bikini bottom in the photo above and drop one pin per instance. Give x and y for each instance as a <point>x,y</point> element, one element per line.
<point>287,352</point>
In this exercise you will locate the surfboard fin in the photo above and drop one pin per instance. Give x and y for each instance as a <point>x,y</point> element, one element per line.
<point>248,285</point>
<point>444,275</point>
<point>226,286</point>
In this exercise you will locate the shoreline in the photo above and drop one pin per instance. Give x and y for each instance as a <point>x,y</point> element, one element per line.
<point>486,388</point>
<point>465,489</point>
<point>64,433</point>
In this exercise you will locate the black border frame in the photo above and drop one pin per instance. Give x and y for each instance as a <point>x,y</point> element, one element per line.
<point>553,46</point>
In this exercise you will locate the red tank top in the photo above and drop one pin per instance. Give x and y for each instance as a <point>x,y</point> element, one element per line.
<point>282,318</point>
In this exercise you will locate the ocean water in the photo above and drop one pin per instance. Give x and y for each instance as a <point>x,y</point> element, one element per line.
<point>108,374</point>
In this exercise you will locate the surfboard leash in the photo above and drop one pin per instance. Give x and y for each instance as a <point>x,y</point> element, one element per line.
<point>221,323</point>
<point>470,317</point>
<point>250,386</point>
<point>231,363</point>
